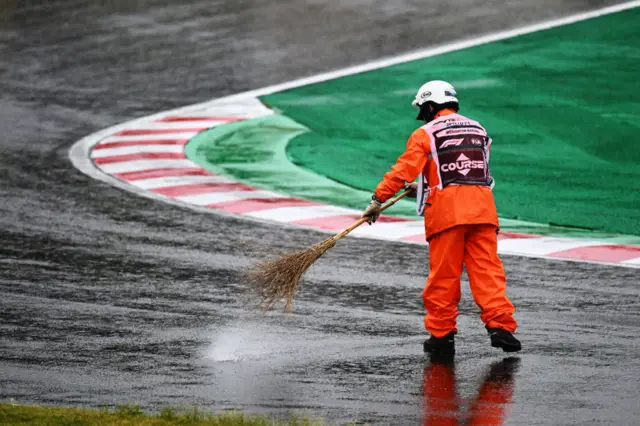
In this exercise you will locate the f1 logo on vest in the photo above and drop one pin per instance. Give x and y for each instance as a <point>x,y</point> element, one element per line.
<point>456,142</point>
<point>452,142</point>
<point>463,165</point>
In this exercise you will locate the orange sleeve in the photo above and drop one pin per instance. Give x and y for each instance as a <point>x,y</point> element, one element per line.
<point>408,166</point>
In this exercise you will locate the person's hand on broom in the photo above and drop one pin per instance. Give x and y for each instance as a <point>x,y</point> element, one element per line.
<point>373,210</point>
<point>411,188</point>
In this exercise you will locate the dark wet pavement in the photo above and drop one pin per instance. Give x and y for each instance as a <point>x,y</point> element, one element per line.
<point>109,298</point>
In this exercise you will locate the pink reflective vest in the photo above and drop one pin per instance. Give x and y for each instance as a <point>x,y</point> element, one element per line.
<point>460,150</point>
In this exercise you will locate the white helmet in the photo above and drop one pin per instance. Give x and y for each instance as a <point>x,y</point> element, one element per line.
<point>437,91</point>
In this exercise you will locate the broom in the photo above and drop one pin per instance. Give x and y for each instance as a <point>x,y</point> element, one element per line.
<point>280,278</point>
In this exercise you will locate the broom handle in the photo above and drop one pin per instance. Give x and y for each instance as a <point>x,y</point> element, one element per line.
<point>364,219</point>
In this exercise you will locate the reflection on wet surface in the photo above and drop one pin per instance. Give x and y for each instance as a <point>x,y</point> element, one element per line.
<point>489,406</point>
<point>108,298</point>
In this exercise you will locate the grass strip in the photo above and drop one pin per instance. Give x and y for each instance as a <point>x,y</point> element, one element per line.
<point>16,415</point>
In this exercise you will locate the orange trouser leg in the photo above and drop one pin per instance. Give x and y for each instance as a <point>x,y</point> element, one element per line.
<point>487,279</point>
<point>442,292</point>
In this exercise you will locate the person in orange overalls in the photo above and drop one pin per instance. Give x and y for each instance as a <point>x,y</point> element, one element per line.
<point>450,157</point>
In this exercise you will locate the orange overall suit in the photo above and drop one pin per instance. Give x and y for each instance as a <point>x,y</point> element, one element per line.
<point>461,223</point>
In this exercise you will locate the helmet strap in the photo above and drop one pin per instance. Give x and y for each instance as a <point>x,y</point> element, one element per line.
<point>427,112</point>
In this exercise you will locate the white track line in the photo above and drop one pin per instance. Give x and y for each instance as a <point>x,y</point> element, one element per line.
<point>135,149</point>
<point>291,214</point>
<point>222,197</point>
<point>173,125</point>
<point>544,245</point>
<point>140,165</point>
<point>223,108</point>
<point>391,230</point>
<point>164,182</point>
<point>166,136</point>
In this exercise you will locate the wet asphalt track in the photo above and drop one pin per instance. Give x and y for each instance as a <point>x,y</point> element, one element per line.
<point>108,298</point>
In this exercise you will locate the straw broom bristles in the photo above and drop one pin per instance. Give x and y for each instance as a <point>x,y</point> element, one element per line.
<point>279,279</point>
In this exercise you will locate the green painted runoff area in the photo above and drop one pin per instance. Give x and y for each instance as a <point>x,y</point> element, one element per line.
<point>253,151</point>
<point>562,107</point>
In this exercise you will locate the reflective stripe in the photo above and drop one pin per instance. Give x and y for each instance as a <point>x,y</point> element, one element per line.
<point>421,196</point>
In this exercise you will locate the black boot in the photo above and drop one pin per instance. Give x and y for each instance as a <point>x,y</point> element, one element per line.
<point>503,339</point>
<point>441,347</point>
